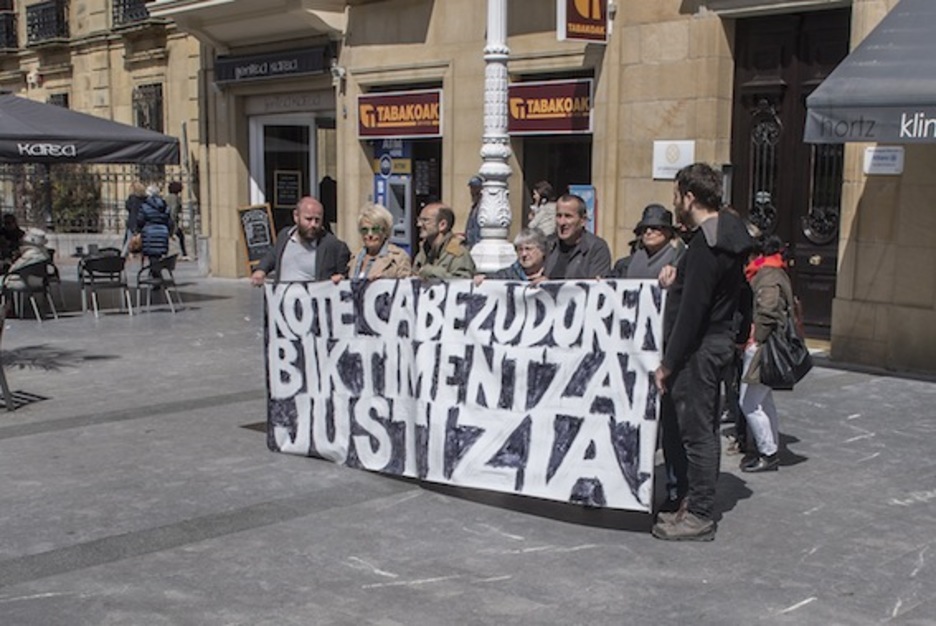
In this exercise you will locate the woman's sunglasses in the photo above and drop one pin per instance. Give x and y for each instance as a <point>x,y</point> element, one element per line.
<point>373,230</point>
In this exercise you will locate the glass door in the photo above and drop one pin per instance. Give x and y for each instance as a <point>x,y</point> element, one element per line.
<point>283,164</point>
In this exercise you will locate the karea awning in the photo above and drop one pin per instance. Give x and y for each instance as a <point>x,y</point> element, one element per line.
<point>885,90</point>
<point>35,132</point>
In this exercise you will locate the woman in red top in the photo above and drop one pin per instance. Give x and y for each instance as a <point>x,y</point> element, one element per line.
<point>773,301</point>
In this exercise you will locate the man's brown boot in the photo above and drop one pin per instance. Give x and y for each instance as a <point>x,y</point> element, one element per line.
<point>670,517</point>
<point>689,527</point>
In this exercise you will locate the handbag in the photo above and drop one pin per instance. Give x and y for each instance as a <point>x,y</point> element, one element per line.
<point>136,243</point>
<point>785,359</point>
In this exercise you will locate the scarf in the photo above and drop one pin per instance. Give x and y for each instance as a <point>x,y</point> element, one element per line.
<point>774,260</point>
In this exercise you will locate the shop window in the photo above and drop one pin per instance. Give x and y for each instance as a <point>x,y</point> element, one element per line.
<point>58,99</point>
<point>8,38</point>
<point>125,12</point>
<point>148,113</point>
<point>47,22</point>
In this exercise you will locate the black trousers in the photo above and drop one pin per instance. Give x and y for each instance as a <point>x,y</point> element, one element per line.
<point>690,421</point>
<point>181,235</point>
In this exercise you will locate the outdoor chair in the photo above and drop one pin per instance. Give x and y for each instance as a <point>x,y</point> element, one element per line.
<point>96,273</point>
<point>54,277</point>
<point>155,276</point>
<point>34,280</point>
<point>7,394</point>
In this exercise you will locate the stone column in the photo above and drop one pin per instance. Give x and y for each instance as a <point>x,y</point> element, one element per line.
<point>494,251</point>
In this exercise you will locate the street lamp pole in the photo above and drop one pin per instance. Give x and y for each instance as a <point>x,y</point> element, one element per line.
<point>493,251</point>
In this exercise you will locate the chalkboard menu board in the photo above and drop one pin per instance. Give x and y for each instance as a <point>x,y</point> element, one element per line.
<point>287,188</point>
<point>259,236</point>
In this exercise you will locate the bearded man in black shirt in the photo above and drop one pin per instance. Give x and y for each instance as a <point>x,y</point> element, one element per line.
<point>698,344</point>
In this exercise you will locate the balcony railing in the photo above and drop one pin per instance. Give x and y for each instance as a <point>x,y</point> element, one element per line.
<point>46,22</point>
<point>130,11</point>
<point>8,40</point>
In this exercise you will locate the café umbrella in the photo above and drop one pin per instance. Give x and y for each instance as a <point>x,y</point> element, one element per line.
<point>885,90</point>
<point>35,132</point>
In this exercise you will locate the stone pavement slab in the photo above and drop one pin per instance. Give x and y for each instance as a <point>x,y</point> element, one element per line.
<point>141,491</point>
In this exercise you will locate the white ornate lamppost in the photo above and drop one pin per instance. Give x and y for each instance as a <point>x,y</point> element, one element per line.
<point>493,251</point>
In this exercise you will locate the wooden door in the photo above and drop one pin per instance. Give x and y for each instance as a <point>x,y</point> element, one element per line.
<point>785,186</point>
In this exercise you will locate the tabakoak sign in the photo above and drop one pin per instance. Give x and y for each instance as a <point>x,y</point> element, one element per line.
<point>553,107</point>
<point>585,20</point>
<point>400,114</point>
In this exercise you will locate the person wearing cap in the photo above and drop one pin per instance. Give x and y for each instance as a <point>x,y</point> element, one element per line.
<point>473,228</point>
<point>32,251</point>
<point>656,247</point>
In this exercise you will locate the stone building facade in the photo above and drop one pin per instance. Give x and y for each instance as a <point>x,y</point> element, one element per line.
<point>108,58</point>
<point>288,87</point>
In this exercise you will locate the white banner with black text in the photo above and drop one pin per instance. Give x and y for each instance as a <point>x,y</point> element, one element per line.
<point>545,391</point>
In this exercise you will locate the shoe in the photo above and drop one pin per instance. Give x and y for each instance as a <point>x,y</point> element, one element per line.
<point>671,512</point>
<point>734,447</point>
<point>690,527</point>
<point>748,458</point>
<point>768,463</point>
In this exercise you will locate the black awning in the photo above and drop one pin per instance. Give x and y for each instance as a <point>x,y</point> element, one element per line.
<point>34,132</point>
<point>885,90</point>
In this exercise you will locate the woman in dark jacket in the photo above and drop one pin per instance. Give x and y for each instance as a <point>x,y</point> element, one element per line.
<point>154,222</point>
<point>133,204</point>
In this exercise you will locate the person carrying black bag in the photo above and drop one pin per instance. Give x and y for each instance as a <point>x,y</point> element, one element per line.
<point>773,305</point>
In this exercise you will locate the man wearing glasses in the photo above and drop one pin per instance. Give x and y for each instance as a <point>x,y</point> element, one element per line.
<point>305,252</point>
<point>441,253</point>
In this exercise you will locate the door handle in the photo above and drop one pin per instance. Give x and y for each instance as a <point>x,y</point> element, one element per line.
<point>815,260</point>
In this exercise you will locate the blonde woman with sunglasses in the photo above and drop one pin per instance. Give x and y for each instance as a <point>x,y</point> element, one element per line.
<point>378,257</point>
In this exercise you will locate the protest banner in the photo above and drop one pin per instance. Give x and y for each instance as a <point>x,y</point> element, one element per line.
<point>542,391</point>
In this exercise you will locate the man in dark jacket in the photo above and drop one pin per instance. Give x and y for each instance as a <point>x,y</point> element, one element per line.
<point>698,343</point>
<point>573,251</point>
<point>306,251</point>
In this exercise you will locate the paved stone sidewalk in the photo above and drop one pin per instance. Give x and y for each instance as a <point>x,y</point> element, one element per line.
<point>141,492</point>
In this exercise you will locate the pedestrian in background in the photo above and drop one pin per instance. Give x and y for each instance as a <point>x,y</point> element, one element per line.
<point>542,213</point>
<point>155,224</point>
<point>472,227</point>
<point>174,201</point>
<point>773,302</point>
<point>32,251</point>
<point>132,205</point>
<point>11,236</point>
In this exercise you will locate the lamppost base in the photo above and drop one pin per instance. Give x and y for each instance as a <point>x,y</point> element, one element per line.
<point>490,255</point>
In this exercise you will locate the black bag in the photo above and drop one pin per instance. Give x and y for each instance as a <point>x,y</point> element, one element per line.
<point>785,358</point>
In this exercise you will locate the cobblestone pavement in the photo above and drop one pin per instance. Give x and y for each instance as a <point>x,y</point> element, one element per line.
<point>140,491</point>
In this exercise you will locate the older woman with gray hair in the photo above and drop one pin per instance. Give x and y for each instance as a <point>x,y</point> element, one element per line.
<point>530,244</point>
<point>378,257</point>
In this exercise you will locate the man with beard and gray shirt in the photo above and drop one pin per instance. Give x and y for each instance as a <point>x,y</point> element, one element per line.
<point>305,251</point>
